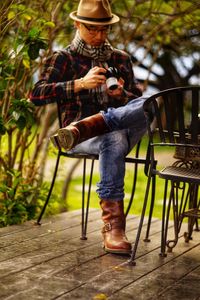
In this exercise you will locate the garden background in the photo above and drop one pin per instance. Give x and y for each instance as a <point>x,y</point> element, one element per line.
<point>163,39</point>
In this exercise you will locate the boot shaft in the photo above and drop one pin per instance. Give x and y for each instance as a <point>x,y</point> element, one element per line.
<point>113,213</point>
<point>91,126</point>
<point>75,133</point>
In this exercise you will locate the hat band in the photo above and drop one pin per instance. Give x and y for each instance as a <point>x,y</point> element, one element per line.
<point>94,19</point>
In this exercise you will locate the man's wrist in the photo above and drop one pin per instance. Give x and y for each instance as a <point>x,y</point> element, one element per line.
<point>82,83</point>
<point>79,84</point>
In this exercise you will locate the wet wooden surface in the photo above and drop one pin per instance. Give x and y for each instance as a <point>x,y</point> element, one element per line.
<point>51,262</point>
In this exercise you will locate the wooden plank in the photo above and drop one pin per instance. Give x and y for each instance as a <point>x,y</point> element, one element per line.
<point>28,231</point>
<point>51,262</point>
<point>110,282</point>
<point>51,246</point>
<point>67,272</point>
<point>186,288</point>
<point>32,231</point>
<point>167,282</point>
<point>53,237</point>
<point>4,231</point>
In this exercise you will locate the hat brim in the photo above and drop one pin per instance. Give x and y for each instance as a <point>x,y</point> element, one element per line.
<point>114,19</point>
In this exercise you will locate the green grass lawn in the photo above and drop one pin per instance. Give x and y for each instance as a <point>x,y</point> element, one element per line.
<point>73,200</point>
<point>75,192</point>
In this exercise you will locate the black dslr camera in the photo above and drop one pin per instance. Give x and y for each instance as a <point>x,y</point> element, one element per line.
<point>112,75</point>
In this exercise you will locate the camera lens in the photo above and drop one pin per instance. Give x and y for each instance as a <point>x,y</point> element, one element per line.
<point>111,75</point>
<point>112,83</point>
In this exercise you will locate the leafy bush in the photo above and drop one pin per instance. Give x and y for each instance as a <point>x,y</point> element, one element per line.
<point>28,30</point>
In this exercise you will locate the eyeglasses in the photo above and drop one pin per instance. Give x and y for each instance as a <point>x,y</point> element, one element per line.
<point>95,30</point>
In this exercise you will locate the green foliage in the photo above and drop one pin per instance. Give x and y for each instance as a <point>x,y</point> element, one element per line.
<point>163,31</point>
<point>34,43</point>
<point>22,35</point>
<point>28,30</point>
<point>17,200</point>
<point>22,113</point>
<point>2,127</point>
<point>161,35</point>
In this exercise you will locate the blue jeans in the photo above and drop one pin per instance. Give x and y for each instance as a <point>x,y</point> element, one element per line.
<point>128,125</point>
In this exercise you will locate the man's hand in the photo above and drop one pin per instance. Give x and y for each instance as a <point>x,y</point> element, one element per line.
<point>94,78</point>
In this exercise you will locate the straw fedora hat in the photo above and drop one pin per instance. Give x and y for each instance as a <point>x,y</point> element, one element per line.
<point>94,12</point>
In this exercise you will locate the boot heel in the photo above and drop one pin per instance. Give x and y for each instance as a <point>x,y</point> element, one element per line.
<point>55,141</point>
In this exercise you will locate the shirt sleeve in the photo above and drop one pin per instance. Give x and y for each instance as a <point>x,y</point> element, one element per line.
<point>54,84</point>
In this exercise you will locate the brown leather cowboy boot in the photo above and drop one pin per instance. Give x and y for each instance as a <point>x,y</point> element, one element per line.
<point>77,132</point>
<point>113,232</point>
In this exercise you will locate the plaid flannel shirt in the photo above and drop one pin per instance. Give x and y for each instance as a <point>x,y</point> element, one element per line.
<point>57,84</point>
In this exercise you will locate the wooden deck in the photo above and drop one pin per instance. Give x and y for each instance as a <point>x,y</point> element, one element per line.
<point>51,262</point>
